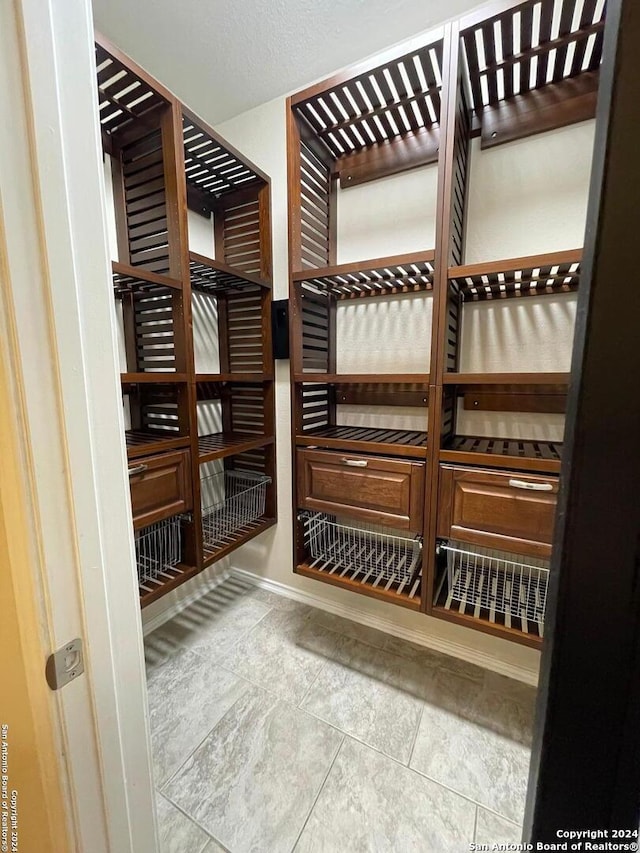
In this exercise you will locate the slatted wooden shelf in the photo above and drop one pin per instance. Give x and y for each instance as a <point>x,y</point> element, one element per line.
<point>503,452</point>
<point>142,442</point>
<point>383,276</point>
<point>212,166</point>
<point>172,578</point>
<point>236,539</point>
<point>509,380</point>
<point>535,275</point>
<point>233,377</point>
<point>353,581</point>
<point>128,279</point>
<point>367,439</point>
<point>530,46</point>
<point>124,97</point>
<point>151,378</point>
<point>421,379</point>
<point>484,624</point>
<point>374,105</point>
<point>221,444</point>
<point>211,277</point>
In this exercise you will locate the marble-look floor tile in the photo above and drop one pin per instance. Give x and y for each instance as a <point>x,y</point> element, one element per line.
<point>186,699</point>
<point>505,708</point>
<point>493,829</point>
<point>277,602</point>
<point>212,625</point>
<point>284,653</point>
<point>349,628</point>
<point>371,803</point>
<point>371,695</point>
<point>475,761</point>
<point>212,847</point>
<point>252,782</point>
<point>420,654</point>
<point>178,834</point>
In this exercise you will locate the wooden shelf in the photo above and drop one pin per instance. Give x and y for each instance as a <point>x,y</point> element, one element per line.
<point>509,380</point>
<point>234,377</point>
<point>367,440</point>
<point>145,442</point>
<point>535,275</point>
<point>407,273</point>
<point>487,627</point>
<point>364,378</point>
<point>502,82</point>
<point>236,539</point>
<point>126,93</point>
<point>210,276</point>
<point>212,166</point>
<point>346,122</point>
<point>529,455</point>
<point>167,378</point>
<point>329,574</point>
<point>221,444</point>
<point>173,578</point>
<point>128,279</point>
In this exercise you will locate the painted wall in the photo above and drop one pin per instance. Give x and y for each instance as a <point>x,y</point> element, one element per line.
<point>510,214</point>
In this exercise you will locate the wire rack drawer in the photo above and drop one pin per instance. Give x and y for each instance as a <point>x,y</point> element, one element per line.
<point>231,502</point>
<point>369,554</point>
<point>158,550</point>
<point>497,586</point>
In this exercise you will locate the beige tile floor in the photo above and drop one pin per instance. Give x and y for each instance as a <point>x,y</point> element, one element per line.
<point>278,727</point>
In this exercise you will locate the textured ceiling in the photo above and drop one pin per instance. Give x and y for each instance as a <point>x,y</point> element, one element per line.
<point>223,57</point>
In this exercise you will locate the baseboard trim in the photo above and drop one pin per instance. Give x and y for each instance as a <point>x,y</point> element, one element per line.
<point>448,647</point>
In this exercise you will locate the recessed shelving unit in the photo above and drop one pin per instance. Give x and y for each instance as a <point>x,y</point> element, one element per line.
<point>489,444</point>
<point>163,158</point>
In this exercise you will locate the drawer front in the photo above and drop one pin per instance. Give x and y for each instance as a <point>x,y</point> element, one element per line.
<point>379,491</point>
<point>506,511</point>
<point>160,487</point>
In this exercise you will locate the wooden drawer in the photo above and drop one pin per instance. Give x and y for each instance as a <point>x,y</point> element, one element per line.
<point>160,487</point>
<point>506,511</point>
<point>379,491</point>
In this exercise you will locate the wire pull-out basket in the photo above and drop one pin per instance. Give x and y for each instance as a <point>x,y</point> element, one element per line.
<point>158,549</point>
<point>497,586</point>
<point>370,554</point>
<point>231,501</point>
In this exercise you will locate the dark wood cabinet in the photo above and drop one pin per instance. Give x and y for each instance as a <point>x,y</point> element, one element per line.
<point>508,511</point>
<point>160,487</point>
<point>368,488</point>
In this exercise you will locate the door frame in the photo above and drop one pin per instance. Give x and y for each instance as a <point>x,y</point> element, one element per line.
<point>65,377</point>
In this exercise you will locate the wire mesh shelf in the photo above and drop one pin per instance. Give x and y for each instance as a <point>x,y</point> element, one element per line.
<point>497,586</point>
<point>369,554</point>
<point>231,502</point>
<point>158,550</point>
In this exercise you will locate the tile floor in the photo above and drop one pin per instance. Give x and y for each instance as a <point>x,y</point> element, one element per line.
<point>278,727</point>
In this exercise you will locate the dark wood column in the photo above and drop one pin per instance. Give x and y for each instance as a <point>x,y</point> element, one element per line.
<point>585,770</point>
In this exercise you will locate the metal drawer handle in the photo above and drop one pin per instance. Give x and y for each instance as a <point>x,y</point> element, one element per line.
<point>355,463</point>
<point>137,469</point>
<point>534,487</point>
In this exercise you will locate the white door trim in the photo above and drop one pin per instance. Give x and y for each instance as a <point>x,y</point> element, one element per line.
<point>57,300</point>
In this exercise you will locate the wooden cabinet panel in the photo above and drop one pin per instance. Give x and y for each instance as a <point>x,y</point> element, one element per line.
<point>372,489</point>
<point>507,511</point>
<point>160,487</point>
